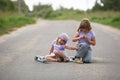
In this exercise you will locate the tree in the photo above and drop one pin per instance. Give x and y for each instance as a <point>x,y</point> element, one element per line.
<point>20,6</point>
<point>97,6</point>
<point>6,5</point>
<point>42,10</point>
<point>108,5</point>
<point>111,4</point>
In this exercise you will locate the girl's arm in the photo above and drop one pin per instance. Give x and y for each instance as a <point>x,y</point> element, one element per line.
<point>71,48</point>
<point>92,41</point>
<point>77,37</point>
<point>51,49</point>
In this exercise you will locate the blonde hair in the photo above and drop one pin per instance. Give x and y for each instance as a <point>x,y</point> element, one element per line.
<point>85,24</point>
<point>64,36</point>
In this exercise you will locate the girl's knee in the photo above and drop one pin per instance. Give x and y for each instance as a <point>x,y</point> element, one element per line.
<point>47,56</point>
<point>56,52</point>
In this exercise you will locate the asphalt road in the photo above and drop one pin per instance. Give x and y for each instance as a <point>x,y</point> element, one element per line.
<point>18,49</point>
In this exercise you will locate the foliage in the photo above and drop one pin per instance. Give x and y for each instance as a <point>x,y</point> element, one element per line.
<point>113,21</point>
<point>9,17</point>
<point>97,6</point>
<point>111,4</point>
<point>8,23</point>
<point>43,11</point>
<point>24,8</point>
<point>108,17</point>
<point>108,5</point>
<point>6,5</point>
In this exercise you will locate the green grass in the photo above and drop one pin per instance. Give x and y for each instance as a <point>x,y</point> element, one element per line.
<point>112,21</point>
<point>10,22</point>
<point>105,17</point>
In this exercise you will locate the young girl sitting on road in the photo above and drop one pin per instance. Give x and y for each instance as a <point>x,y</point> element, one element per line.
<point>57,50</point>
<point>85,37</point>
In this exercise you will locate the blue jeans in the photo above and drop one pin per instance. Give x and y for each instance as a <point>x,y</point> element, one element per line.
<point>84,52</point>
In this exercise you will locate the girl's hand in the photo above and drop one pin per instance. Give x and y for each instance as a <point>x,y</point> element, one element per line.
<point>81,36</point>
<point>90,41</point>
<point>86,38</point>
<point>77,49</point>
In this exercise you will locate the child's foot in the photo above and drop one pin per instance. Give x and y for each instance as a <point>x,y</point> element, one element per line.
<point>78,61</point>
<point>35,58</point>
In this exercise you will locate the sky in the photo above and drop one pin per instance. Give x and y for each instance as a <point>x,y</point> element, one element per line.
<point>56,4</point>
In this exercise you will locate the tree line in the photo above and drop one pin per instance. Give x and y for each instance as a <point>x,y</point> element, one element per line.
<point>107,5</point>
<point>107,13</point>
<point>8,5</point>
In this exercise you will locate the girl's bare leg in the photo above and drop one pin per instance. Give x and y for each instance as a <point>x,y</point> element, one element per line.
<point>59,54</point>
<point>50,58</point>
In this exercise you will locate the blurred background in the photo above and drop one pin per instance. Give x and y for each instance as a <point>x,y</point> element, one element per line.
<point>16,13</point>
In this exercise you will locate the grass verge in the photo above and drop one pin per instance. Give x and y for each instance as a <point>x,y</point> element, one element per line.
<point>9,23</point>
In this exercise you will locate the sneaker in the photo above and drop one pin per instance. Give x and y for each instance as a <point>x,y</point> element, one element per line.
<point>78,61</point>
<point>35,58</point>
<point>45,61</point>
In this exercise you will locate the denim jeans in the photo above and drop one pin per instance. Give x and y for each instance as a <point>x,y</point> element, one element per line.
<point>84,52</point>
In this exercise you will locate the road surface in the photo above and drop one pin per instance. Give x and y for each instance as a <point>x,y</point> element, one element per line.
<point>18,49</point>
